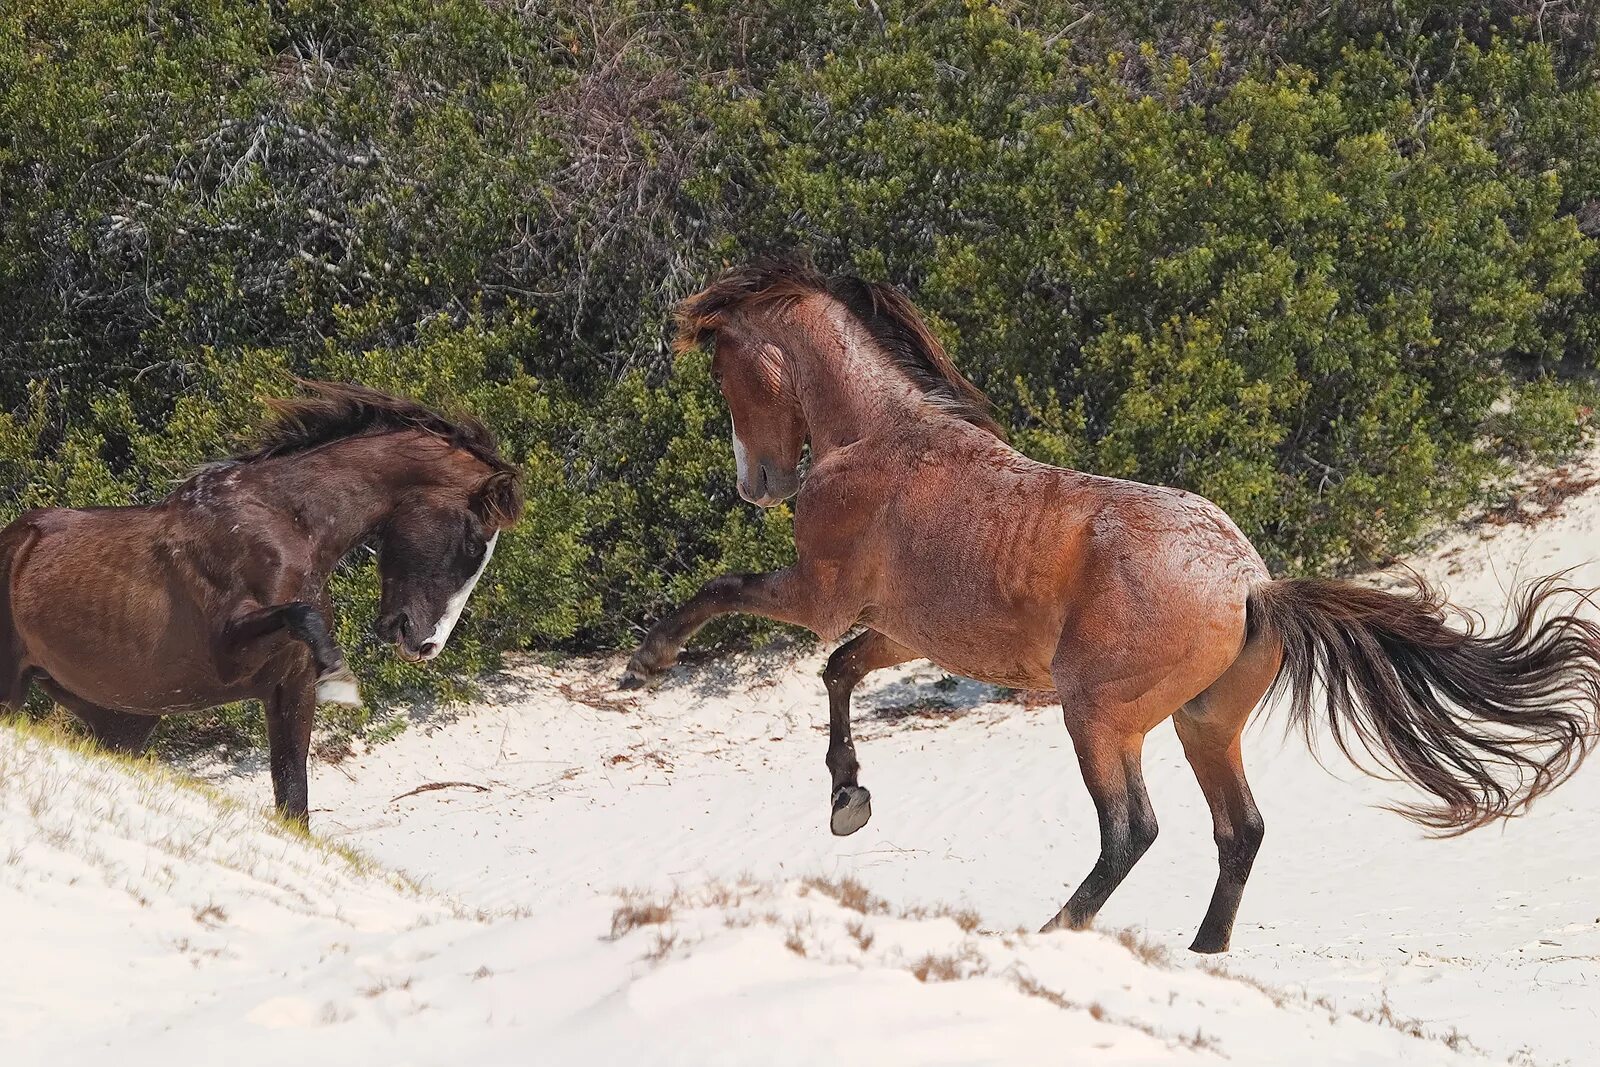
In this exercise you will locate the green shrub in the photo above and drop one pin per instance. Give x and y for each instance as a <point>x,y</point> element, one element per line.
<point>1330,265</point>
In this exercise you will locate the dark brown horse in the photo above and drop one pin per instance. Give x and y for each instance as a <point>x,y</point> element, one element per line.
<point>219,592</point>
<point>1135,603</point>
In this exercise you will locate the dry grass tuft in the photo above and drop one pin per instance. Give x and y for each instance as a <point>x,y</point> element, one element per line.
<point>630,916</point>
<point>666,941</point>
<point>1384,1015</point>
<point>1541,502</point>
<point>1217,970</point>
<point>386,986</point>
<point>210,915</point>
<point>849,893</point>
<point>931,968</point>
<point>1144,949</point>
<point>965,918</point>
<point>1031,986</point>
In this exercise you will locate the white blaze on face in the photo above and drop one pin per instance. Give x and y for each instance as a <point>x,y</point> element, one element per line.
<point>740,458</point>
<point>452,610</point>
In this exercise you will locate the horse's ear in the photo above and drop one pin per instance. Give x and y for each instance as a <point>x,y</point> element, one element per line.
<point>498,499</point>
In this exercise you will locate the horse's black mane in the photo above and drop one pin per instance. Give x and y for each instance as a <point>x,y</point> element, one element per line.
<point>888,315</point>
<point>332,411</point>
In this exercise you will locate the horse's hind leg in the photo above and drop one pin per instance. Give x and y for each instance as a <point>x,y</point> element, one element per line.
<point>851,662</point>
<point>1209,727</point>
<point>119,731</point>
<point>1109,755</point>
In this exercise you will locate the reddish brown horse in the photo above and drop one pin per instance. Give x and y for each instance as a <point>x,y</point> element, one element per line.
<point>1135,603</point>
<point>219,592</point>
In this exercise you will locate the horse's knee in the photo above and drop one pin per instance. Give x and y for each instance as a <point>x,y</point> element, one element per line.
<point>842,671</point>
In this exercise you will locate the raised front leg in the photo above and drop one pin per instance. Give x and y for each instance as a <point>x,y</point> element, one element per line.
<point>290,710</point>
<point>784,596</point>
<point>851,662</point>
<point>244,633</point>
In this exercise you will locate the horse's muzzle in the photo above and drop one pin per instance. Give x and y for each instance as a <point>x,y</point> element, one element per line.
<point>772,486</point>
<point>397,627</point>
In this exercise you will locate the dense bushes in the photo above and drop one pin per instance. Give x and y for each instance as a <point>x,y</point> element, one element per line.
<point>1325,267</point>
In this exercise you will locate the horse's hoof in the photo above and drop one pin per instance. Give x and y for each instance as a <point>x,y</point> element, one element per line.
<point>852,807</point>
<point>634,677</point>
<point>1061,920</point>
<point>339,686</point>
<point>1207,947</point>
<point>1064,920</point>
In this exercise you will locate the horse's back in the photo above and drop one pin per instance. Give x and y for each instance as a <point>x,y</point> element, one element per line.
<point>80,545</point>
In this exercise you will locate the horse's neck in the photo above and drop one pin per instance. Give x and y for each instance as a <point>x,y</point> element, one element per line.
<point>337,493</point>
<point>848,390</point>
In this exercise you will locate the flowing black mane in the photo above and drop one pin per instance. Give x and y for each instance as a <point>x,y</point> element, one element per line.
<point>332,411</point>
<point>888,315</point>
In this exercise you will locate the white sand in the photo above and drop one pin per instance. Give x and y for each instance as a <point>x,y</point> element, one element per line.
<point>716,778</point>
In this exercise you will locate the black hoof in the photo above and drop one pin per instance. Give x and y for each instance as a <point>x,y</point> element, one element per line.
<point>852,807</point>
<point>1208,948</point>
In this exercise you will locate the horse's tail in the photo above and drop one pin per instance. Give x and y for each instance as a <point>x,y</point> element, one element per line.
<point>1484,722</point>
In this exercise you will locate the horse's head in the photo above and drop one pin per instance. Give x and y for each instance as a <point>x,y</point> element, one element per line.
<point>764,319</point>
<point>769,429</point>
<point>433,550</point>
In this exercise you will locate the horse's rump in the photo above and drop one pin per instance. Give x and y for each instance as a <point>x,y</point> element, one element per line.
<point>14,541</point>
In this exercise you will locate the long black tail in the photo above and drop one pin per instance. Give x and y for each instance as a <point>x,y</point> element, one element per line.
<point>1484,722</point>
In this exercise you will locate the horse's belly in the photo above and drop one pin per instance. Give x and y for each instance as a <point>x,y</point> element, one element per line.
<point>992,650</point>
<point>132,680</point>
<point>112,642</point>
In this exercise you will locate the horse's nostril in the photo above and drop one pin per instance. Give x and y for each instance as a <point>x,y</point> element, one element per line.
<point>428,650</point>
